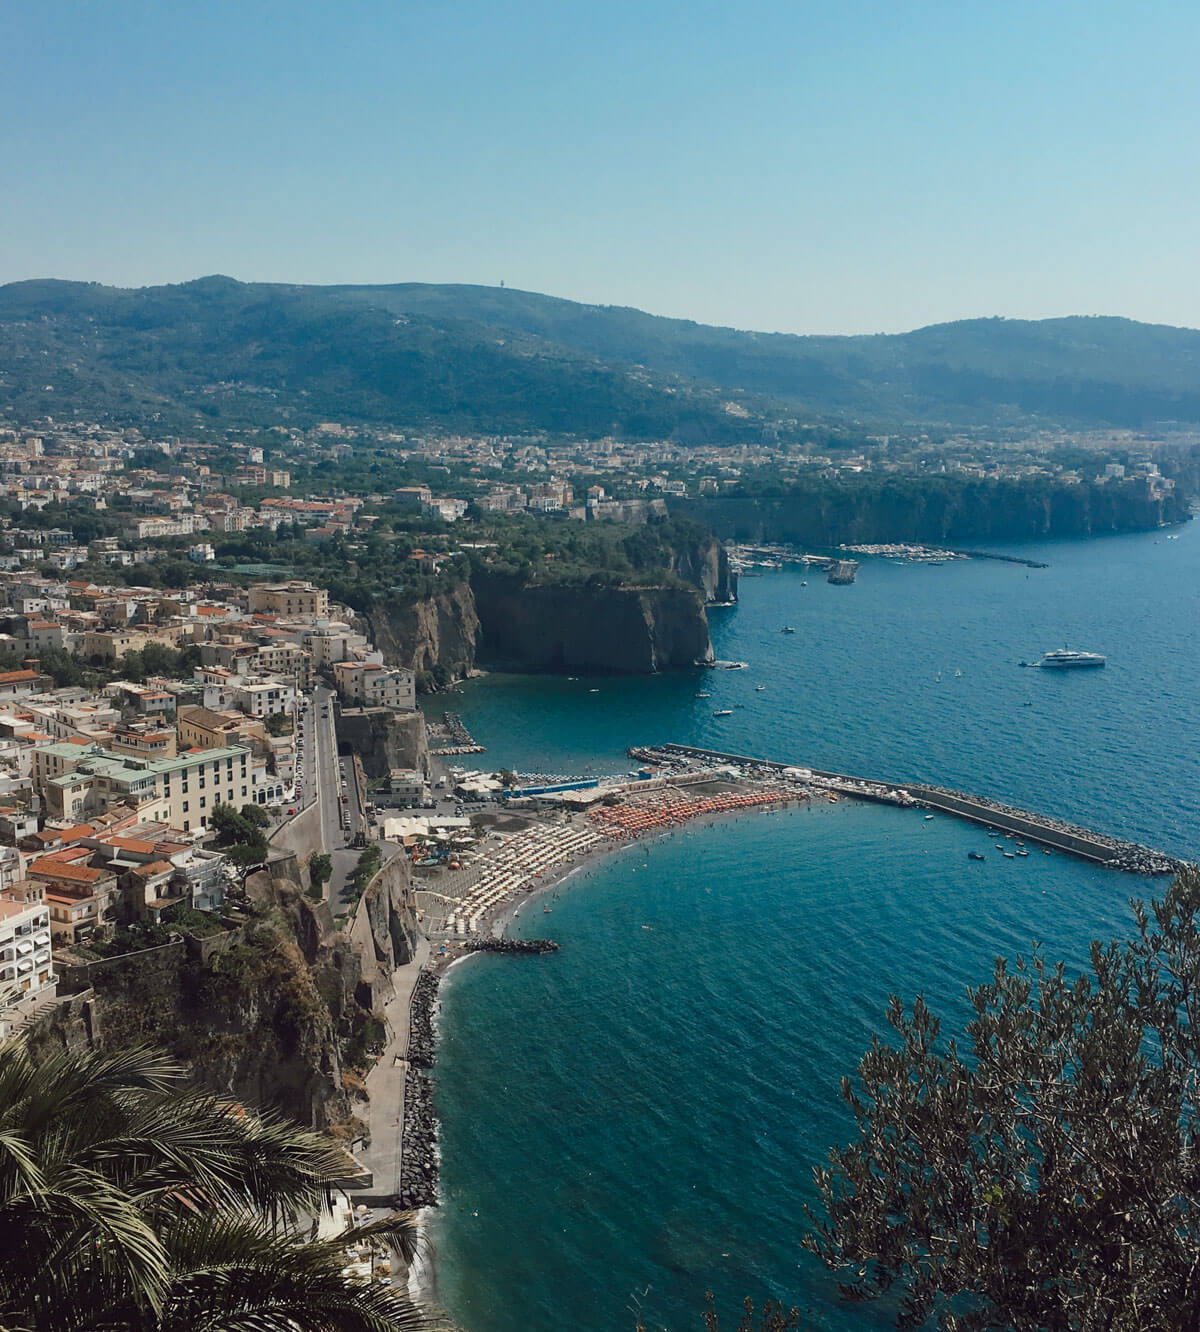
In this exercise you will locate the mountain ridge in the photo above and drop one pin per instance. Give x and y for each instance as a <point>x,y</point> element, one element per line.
<point>498,358</point>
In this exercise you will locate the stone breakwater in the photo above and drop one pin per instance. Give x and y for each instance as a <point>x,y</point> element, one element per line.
<point>511,946</point>
<point>418,1182</point>
<point>1102,848</point>
<point>422,1045</point>
<point>418,1161</point>
<point>1131,857</point>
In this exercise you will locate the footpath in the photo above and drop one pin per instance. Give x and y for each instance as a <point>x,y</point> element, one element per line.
<point>385,1087</point>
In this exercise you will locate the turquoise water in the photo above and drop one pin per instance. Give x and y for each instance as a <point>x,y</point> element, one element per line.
<point>638,1115</point>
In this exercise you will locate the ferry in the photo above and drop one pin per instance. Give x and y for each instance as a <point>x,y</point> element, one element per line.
<point>1066,658</point>
<point>723,712</point>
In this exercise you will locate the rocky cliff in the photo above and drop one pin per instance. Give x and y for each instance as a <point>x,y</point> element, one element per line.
<point>273,1013</point>
<point>598,629</point>
<point>384,739</point>
<point>439,630</point>
<point>938,510</point>
<point>596,625</point>
<point>705,564</point>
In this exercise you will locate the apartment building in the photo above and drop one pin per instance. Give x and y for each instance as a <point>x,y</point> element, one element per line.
<point>26,968</point>
<point>373,685</point>
<point>202,728</point>
<point>76,781</point>
<point>292,598</point>
<point>151,739</point>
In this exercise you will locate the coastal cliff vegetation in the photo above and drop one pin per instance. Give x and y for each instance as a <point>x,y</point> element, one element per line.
<point>1046,1176</point>
<point>935,509</point>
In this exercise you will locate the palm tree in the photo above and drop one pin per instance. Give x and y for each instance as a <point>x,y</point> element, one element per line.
<point>131,1202</point>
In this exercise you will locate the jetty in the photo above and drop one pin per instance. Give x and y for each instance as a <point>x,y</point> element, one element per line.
<point>1059,835</point>
<point>451,738</point>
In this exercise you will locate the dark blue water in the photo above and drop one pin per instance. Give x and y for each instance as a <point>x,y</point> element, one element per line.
<point>639,1114</point>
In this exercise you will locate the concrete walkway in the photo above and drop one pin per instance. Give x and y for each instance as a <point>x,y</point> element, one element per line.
<point>385,1085</point>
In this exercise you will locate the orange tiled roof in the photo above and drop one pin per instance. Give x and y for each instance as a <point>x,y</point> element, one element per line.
<point>153,868</point>
<point>130,844</point>
<point>62,869</point>
<point>75,834</point>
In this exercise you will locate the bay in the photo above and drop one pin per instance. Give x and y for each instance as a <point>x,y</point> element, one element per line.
<point>635,1119</point>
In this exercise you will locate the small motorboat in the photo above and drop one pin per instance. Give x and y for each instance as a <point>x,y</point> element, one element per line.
<point>928,817</point>
<point>976,855</point>
<point>723,712</point>
<point>787,629</point>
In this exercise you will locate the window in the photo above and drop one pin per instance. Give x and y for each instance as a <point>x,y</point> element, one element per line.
<point>203,800</point>
<point>185,809</point>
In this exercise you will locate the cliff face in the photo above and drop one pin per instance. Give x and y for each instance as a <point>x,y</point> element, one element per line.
<point>939,511</point>
<point>266,1014</point>
<point>534,627</point>
<point>622,630</point>
<point>441,629</point>
<point>706,565</point>
<point>384,739</point>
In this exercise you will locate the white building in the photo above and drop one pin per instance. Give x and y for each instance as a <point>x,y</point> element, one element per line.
<point>26,969</point>
<point>373,685</point>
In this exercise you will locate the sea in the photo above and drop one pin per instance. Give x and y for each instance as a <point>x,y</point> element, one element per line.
<point>634,1120</point>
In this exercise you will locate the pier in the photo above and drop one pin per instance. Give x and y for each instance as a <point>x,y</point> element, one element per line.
<point>1057,834</point>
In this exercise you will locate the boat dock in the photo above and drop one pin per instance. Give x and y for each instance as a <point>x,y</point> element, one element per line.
<point>1057,834</point>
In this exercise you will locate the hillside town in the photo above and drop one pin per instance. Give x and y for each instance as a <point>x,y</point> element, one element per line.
<point>131,495</point>
<point>111,788</point>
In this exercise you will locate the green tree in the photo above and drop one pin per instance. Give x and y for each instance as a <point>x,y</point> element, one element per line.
<point>320,867</point>
<point>245,855</point>
<point>1049,1179</point>
<point>129,1201</point>
<point>278,723</point>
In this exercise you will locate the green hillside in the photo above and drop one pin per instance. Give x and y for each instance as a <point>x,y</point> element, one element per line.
<point>228,353</point>
<point>498,360</point>
<point>1078,370</point>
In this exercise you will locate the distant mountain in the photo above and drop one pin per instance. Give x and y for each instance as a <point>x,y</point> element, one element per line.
<point>496,359</point>
<point>229,353</point>
<point>1078,370</point>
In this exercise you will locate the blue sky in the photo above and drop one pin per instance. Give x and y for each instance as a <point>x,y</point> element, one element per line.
<point>833,167</point>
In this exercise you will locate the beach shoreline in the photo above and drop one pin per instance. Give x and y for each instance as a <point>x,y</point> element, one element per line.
<point>422,1275</point>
